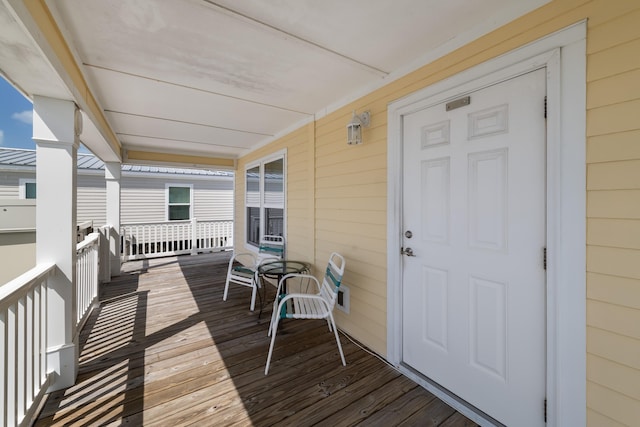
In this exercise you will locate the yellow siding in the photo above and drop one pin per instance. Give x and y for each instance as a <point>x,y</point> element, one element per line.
<point>349,213</point>
<point>600,420</point>
<point>612,147</point>
<point>619,233</point>
<point>613,214</point>
<point>618,406</point>
<point>299,188</point>
<point>621,291</point>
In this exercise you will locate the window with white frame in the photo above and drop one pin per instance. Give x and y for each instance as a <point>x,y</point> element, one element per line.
<point>179,201</point>
<point>27,188</point>
<point>264,198</point>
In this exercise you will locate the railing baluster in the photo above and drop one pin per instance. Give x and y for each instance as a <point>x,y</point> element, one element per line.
<point>86,276</point>
<point>29,353</point>
<point>12,363</point>
<point>36,341</point>
<point>21,357</point>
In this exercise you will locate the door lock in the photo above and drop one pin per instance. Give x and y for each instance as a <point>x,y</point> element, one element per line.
<point>406,251</point>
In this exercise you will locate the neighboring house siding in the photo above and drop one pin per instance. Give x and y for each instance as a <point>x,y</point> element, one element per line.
<point>213,200</point>
<point>92,199</point>
<point>349,189</point>
<point>142,200</point>
<point>143,197</point>
<point>9,182</point>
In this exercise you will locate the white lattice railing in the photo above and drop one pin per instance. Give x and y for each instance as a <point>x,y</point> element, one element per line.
<point>23,331</point>
<point>158,239</point>
<point>87,274</point>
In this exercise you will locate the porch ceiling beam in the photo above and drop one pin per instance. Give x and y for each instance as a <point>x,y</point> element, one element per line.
<point>195,88</point>
<point>41,26</point>
<point>266,26</point>
<point>161,138</point>
<point>147,157</point>
<point>165,119</point>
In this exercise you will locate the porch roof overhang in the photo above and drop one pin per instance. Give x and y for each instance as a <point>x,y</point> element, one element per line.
<point>203,82</point>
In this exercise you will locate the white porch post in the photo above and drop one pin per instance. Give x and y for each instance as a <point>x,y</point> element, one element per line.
<point>112,172</point>
<point>55,131</point>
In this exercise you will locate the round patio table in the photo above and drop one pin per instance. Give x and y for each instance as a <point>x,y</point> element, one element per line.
<point>277,270</point>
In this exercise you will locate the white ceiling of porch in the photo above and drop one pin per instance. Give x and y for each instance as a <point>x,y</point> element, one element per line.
<point>221,77</point>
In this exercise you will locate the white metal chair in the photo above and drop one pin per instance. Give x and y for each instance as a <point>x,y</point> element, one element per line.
<point>317,305</point>
<point>243,267</point>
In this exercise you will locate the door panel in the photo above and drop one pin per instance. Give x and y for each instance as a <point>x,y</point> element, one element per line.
<point>474,293</point>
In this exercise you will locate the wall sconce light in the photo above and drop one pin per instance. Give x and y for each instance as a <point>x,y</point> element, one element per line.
<point>354,127</point>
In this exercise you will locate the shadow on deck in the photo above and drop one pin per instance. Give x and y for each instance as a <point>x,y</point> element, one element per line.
<point>164,349</point>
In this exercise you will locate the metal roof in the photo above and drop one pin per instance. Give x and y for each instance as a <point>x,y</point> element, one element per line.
<point>17,157</point>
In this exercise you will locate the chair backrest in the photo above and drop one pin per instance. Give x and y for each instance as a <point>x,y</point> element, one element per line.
<point>272,246</point>
<point>332,278</point>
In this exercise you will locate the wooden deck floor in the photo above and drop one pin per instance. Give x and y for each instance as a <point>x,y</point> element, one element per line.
<point>164,349</point>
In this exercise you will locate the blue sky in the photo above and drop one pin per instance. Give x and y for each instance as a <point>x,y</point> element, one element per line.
<point>16,118</point>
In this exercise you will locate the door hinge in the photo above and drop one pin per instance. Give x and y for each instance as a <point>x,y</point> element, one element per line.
<point>544,258</point>
<point>545,107</point>
<point>545,410</point>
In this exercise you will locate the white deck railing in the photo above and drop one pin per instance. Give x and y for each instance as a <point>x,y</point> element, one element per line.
<point>87,274</point>
<point>23,330</point>
<point>158,239</point>
<point>24,375</point>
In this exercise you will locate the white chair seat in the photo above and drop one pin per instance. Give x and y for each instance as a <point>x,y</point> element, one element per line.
<point>309,305</point>
<point>303,306</point>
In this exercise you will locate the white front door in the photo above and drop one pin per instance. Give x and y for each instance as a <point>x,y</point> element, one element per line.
<point>474,204</point>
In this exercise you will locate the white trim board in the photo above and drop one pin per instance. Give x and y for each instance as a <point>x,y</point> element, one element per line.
<point>563,54</point>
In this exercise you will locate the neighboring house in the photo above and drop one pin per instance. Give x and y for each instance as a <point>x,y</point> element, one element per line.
<point>17,237</point>
<point>148,193</point>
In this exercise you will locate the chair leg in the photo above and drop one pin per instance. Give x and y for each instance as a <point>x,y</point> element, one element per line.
<point>273,340</point>
<point>253,296</point>
<point>226,290</point>
<point>273,320</point>
<point>335,331</point>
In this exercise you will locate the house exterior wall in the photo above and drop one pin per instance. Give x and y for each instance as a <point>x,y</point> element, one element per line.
<point>141,201</point>
<point>9,184</point>
<point>20,248</point>
<point>142,197</point>
<point>349,186</point>
<point>92,199</point>
<point>299,209</point>
<point>17,237</point>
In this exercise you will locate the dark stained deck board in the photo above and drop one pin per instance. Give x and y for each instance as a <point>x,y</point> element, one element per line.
<point>164,349</point>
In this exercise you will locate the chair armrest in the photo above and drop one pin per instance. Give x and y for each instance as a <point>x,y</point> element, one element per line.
<point>241,256</point>
<point>299,276</point>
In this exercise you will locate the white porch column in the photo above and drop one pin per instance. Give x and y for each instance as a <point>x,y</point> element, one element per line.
<point>55,131</point>
<point>112,172</point>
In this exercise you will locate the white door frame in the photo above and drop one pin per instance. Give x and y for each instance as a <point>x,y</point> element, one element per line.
<point>564,56</point>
